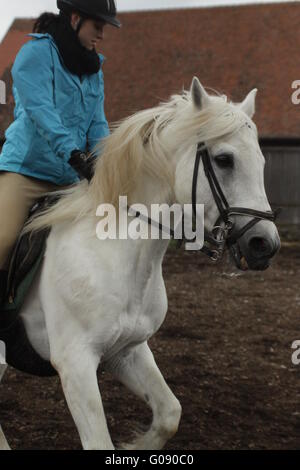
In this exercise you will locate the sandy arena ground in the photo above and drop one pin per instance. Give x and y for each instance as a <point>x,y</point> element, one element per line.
<point>224,349</point>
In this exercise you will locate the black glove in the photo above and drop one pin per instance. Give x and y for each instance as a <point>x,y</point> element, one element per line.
<point>82,164</point>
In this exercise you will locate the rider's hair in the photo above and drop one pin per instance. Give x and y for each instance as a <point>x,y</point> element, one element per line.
<point>45,20</point>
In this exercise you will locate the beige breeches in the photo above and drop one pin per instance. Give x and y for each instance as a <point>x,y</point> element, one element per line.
<point>18,194</point>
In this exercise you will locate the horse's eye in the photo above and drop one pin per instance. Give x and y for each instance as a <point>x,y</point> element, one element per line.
<point>224,161</point>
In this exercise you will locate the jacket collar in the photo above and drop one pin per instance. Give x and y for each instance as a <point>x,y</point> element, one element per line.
<point>75,78</point>
<point>46,35</point>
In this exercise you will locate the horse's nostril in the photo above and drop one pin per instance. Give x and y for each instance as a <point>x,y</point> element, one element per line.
<point>260,247</point>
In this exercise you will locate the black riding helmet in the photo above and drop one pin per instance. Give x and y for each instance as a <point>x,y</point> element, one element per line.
<point>104,10</point>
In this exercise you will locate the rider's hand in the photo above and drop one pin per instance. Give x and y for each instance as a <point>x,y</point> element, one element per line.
<point>82,163</point>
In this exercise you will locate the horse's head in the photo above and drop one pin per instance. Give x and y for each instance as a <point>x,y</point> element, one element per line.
<point>230,177</point>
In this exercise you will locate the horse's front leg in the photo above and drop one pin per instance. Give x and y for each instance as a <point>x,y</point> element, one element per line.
<point>138,371</point>
<point>77,369</point>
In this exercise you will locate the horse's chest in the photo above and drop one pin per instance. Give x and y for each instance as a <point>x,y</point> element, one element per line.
<point>145,319</point>
<point>145,312</point>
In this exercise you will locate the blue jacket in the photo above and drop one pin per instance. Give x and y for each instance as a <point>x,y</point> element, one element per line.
<point>55,113</point>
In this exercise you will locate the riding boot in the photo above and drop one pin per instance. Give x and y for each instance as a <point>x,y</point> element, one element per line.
<point>3,285</point>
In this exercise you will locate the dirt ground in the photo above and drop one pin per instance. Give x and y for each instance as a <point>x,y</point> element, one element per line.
<point>224,349</point>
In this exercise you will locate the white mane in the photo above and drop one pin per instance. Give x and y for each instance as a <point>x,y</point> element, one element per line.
<point>135,149</point>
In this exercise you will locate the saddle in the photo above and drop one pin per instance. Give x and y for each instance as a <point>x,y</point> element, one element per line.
<point>26,259</point>
<point>25,262</point>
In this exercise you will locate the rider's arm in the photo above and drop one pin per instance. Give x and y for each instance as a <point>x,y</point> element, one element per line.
<point>33,78</point>
<point>99,126</point>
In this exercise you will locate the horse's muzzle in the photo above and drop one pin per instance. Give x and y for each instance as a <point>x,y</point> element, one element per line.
<point>255,251</point>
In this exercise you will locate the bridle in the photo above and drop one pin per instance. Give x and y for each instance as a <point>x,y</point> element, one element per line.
<point>222,237</point>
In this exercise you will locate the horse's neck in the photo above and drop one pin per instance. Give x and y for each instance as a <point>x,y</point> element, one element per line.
<point>150,190</point>
<point>141,251</point>
<point>83,232</point>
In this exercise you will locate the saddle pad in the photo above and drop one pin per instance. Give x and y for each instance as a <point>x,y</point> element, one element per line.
<point>26,259</point>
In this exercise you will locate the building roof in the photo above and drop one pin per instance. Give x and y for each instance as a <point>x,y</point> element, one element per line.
<point>9,47</point>
<point>230,49</point>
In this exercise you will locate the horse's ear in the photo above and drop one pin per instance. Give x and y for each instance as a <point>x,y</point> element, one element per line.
<point>199,95</point>
<point>248,105</point>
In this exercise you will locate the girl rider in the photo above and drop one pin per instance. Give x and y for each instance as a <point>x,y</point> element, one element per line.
<point>59,112</point>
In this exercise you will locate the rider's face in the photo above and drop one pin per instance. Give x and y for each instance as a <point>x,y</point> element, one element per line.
<point>91,32</point>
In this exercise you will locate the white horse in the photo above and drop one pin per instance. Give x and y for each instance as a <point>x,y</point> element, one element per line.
<point>98,302</point>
